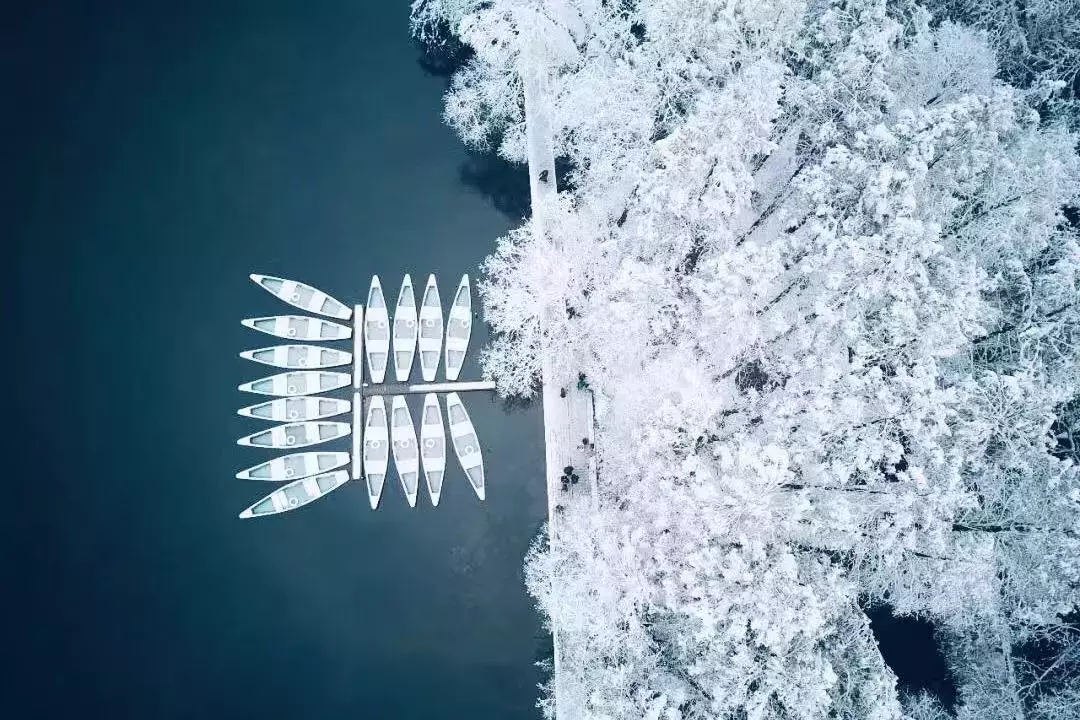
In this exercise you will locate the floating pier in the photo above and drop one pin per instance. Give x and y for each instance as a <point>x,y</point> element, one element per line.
<point>357,436</point>
<point>431,387</point>
<point>358,398</point>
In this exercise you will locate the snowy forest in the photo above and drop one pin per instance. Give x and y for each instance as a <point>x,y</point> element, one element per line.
<point>820,262</point>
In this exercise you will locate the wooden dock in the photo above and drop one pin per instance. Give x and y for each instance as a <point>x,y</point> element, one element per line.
<point>358,398</point>
<point>428,387</point>
<point>363,389</point>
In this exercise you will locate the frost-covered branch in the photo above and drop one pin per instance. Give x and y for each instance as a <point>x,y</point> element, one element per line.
<point>818,265</point>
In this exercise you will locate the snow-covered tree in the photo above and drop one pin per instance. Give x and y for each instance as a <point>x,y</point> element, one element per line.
<point>1037,41</point>
<point>814,260</point>
<point>995,682</point>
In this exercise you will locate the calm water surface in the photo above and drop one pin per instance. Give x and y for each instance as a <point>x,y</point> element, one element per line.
<point>162,152</point>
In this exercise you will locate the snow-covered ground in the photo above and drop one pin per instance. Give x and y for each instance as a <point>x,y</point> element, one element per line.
<point>820,263</point>
<point>568,409</point>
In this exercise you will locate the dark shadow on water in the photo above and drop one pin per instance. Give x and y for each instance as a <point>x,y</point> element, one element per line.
<point>506,184</point>
<point>545,645</point>
<point>1043,654</point>
<point>518,404</point>
<point>444,54</point>
<point>908,646</point>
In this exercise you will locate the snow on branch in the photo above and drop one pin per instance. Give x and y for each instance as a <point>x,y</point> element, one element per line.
<point>819,263</point>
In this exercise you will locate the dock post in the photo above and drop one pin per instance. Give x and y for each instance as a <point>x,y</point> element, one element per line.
<point>358,398</point>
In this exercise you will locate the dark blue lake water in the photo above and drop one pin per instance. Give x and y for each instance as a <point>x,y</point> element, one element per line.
<point>161,152</point>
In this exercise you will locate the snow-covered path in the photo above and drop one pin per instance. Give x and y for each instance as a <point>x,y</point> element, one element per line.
<point>568,411</point>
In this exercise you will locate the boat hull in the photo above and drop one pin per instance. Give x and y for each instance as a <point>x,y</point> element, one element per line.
<point>458,329</point>
<point>376,449</point>
<point>297,409</point>
<point>296,435</point>
<point>376,332</point>
<point>406,455</point>
<point>466,444</point>
<point>299,327</point>
<point>433,447</point>
<point>430,338</point>
<point>297,494</point>
<point>298,357</point>
<point>405,331</point>
<point>301,382</point>
<point>295,466</point>
<point>303,296</point>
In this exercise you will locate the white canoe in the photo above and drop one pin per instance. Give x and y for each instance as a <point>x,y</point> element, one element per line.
<point>404,331</point>
<point>294,357</point>
<point>297,435</point>
<point>295,466</point>
<point>406,458</point>
<point>458,329</point>
<point>297,409</point>
<point>303,296</point>
<point>431,330</point>
<point>433,446</point>
<point>298,327</point>
<point>376,331</point>
<point>376,449</point>
<point>466,445</point>
<point>302,382</point>
<point>297,494</point>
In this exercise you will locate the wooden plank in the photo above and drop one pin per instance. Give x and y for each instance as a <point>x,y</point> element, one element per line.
<point>432,387</point>
<point>358,399</point>
<point>357,436</point>
<point>358,347</point>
